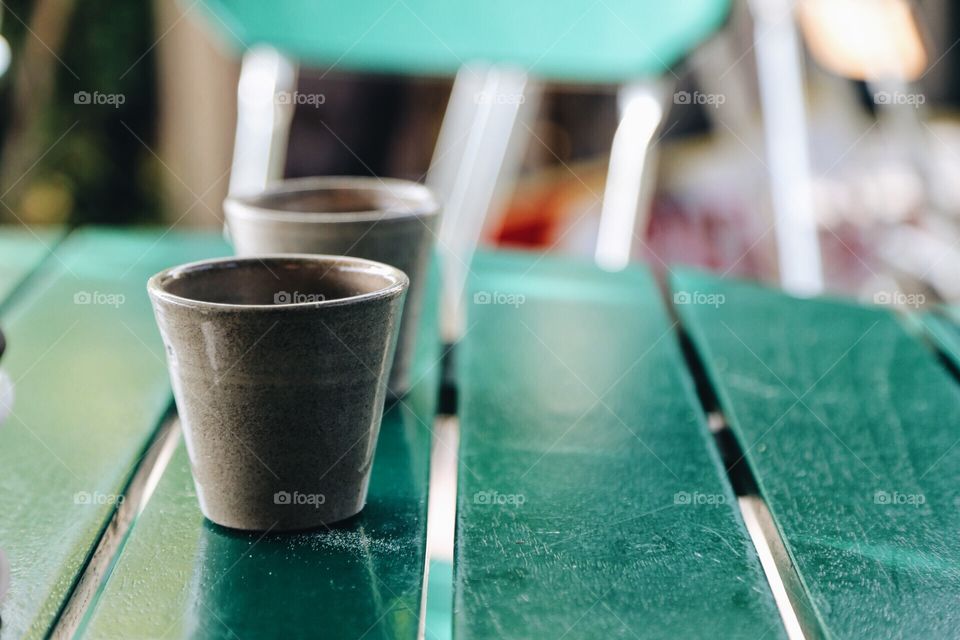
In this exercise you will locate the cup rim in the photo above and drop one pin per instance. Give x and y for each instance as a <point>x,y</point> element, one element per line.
<point>425,202</point>
<point>155,285</point>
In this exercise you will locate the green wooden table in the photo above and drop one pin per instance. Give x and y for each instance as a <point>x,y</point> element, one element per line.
<point>593,499</point>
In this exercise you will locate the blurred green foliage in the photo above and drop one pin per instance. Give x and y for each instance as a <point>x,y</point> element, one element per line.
<point>69,161</point>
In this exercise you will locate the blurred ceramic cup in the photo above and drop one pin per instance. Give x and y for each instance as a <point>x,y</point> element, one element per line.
<point>279,368</point>
<point>390,221</point>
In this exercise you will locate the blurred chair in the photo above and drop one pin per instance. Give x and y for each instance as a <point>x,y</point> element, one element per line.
<point>498,51</point>
<point>780,79</point>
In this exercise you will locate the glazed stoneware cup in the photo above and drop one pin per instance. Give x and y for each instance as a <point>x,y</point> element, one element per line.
<point>279,367</point>
<point>390,221</point>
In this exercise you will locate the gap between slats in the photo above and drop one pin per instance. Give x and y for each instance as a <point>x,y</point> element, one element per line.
<point>143,481</point>
<point>915,326</point>
<point>791,600</point>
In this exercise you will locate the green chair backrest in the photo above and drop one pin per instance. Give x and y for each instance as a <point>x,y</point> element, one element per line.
<point>606,41</point>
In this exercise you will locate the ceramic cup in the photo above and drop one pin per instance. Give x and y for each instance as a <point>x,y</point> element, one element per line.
<point>279,367</point>
<point>390,221</point>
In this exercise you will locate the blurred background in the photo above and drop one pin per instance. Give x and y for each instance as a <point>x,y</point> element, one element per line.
<point>128,114</point>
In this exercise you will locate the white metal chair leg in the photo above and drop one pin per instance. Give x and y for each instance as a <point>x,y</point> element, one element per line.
<point>632,172</point>
<point>780,67</point>
<point>264,110</point>
<point>480,147</point>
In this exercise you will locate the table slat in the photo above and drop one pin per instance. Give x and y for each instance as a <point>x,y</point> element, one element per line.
<point>90,388</point>
<point>23,250</point>
<point>943,327</point>
<point>850,426</point>
<point>592,503</point>
<point>181,576</point>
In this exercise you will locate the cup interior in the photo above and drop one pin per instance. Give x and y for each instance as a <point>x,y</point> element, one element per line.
<point>343,197</point>
<point>279,280</point>
<point>331,200</point>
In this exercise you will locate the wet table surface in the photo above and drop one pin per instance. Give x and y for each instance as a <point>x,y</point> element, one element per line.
<point>593,501</point>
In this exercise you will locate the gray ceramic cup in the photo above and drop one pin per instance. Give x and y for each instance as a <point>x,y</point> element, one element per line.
<point>390,221</point>
<point>279,368</point>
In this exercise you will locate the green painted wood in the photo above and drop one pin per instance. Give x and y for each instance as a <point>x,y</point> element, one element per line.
<point>179,576</point>
<point>943,328</point>
<point>22,250</point>
<point>609,41</point>
<point>90,386</point>
<point>852,430</point>
<point>591,503</point>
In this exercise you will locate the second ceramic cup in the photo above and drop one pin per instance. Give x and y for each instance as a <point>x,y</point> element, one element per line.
<point>390,221</point>
<point>279,367</point>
